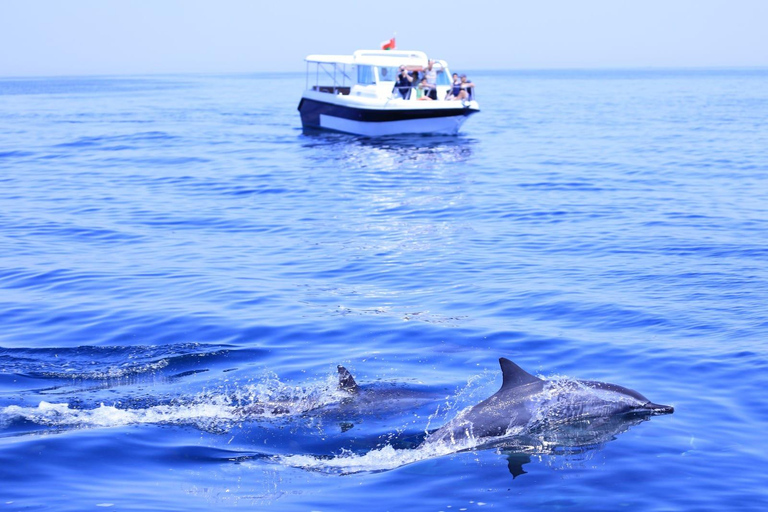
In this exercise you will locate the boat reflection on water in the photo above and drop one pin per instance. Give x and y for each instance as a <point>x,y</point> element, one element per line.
<point>344,151</point>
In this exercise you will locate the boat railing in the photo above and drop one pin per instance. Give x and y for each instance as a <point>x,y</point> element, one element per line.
<point>409,95</point>
<point>333,72</point>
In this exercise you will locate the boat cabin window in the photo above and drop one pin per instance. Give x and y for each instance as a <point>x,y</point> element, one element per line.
<point>443,78</point>
<point>365,75</point>
<point>388,73</point>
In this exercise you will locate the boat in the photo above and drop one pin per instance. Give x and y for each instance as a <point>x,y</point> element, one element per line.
<point>356,94</point>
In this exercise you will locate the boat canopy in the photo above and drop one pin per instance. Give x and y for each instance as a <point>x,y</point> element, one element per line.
<point>385,58</point>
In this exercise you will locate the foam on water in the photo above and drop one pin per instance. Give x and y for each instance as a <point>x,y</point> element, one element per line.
<point>63,415</point>
<point>271,397</point>
<point>379,459</point>
<point>211,410</point>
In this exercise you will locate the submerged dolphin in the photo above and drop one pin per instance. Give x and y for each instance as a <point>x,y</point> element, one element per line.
<point>383,396</point>
<point>350,398</point>
<point>526,403</point>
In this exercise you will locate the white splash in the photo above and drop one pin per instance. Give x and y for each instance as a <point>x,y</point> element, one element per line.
<point>63,415</point>
<point>380,459</point>
<point>216,409</point>
<point>271,398</point>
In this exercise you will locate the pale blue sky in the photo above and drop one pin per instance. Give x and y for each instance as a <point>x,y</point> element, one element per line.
<point>72,37</point>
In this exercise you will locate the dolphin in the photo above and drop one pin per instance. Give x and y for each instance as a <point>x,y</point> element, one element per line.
<point>381,397</point>
<point>526,403</point>
<point>350,398</point>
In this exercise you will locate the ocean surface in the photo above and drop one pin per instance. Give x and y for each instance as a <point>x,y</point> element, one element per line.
<point>182,270</point>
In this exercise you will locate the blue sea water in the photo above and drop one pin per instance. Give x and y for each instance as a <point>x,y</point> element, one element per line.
<point>174,251</point>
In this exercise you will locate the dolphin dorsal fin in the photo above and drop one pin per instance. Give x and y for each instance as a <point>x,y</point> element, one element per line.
<point>513,375</point>
<point>346,381</point>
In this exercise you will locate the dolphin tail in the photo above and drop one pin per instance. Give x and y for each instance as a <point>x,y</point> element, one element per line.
<point>346,381</point>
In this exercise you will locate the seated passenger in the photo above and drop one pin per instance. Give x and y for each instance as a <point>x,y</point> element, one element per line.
<point>423,90</point>
<point>467,87</point>
<point>455,91</point>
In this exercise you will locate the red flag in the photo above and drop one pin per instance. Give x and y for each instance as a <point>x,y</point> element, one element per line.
<point>388,45</point>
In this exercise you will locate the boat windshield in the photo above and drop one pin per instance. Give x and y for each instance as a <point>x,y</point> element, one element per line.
<point>388,73</point>
<point>365,75</point>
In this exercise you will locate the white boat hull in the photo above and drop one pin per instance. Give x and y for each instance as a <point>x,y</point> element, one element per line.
<point>440,125</point>
<point>371,118</point>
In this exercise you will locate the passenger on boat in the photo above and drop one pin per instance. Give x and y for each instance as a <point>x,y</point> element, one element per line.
<point>422,91</point>
<point>467,86</point>
<point>455,92</point>
<point>431,75</point>
<point>461,88</point>
<point>404,83</point>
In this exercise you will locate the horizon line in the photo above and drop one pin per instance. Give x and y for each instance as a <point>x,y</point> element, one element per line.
<point>469,70</point>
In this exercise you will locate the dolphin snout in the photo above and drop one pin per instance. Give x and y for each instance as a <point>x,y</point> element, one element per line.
<point>658,408</point>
